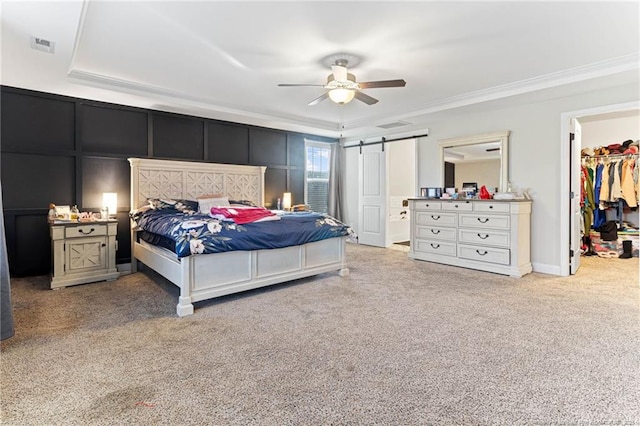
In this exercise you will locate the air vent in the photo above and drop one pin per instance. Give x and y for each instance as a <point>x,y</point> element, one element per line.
<point>42,44</point>
<point>394,124</point>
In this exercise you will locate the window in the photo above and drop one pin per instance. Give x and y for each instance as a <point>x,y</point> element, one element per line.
<point>317,175</point>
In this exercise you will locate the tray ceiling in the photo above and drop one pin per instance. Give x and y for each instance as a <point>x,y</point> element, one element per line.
<point>224,60</point>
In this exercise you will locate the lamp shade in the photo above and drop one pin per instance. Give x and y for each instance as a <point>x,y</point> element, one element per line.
<point>341,96</point>
<point>110,201</point>
<point>286,200</point>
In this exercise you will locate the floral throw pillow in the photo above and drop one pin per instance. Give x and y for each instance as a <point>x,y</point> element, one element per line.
<point>184,206</point>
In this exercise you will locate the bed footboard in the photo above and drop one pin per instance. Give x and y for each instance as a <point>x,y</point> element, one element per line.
<point>203,277</point>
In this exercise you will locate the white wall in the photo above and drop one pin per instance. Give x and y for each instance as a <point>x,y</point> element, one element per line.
<point>402,168</point>
<point>534,120</point>
<point>608,131</point>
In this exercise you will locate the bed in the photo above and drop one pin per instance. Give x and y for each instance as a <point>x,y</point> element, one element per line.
<point>209,275</point>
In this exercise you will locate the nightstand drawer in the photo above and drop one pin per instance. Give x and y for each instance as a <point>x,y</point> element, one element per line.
<point>89,230</point>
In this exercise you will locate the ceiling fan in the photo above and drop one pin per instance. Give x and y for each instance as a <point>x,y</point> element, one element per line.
<point>343,87</point>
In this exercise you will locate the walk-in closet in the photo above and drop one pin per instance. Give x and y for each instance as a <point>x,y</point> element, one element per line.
<point>609,180</point>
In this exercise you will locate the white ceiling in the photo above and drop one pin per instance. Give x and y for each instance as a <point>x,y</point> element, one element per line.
<point>224,60</point>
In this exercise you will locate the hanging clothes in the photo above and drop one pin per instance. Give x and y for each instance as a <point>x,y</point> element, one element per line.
<point>599,216</point>
<point>604,188</point>
<point>627,189</point>
<point>587,202</point>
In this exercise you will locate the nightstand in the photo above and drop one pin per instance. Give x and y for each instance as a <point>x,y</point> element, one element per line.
<point>83,252</point>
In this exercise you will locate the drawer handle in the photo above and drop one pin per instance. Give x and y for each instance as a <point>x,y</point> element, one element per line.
<point>86,233</point>
<point>426,205</point>
<point>486,219</point>
<point>435,246</point>
<point>455,205</point>
<point>490,207</point>
<point>482,254</point>
<point>435,217</point>
<point>483,238</point>
<point>435,231</point>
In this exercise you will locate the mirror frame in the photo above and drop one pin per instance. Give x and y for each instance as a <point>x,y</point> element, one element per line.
<point>502,137</point>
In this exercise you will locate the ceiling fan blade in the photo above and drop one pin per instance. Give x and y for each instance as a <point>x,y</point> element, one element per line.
<point>382,83</point>
<point>339,72</point>
<point>301,85</point>
<point>319,99</point>
<point>365,98</point>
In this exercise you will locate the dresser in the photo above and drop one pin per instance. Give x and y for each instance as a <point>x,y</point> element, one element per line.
<point>83,252</point>
<point>488,235</point>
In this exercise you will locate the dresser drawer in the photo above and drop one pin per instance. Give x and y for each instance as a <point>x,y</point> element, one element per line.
<point>437,219</point>
<point>436,247</point>
<point>484,254</point>
<point>436,233</point>
<point>484,237</point>
<point>91,230</point>
<point>485,221</point>
<point>462,206</point>
<point>491,207</point>
<point>427,205</point>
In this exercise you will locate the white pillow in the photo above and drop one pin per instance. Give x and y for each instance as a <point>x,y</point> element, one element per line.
<point>205,204</point>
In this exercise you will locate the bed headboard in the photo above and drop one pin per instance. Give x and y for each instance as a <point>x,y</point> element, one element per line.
<point>189,180</point>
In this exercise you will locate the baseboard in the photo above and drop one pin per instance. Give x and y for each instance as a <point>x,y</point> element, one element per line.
<point>124,268</point>
<point>544,268</point>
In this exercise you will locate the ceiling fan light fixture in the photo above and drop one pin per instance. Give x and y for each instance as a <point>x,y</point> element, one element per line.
<point>341,96</point>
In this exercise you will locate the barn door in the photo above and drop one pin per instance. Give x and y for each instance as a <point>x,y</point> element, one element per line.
<point>575,239</point>
<point>372,195</point>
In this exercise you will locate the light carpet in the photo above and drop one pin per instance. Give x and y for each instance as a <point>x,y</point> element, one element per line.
<point>397,342</point>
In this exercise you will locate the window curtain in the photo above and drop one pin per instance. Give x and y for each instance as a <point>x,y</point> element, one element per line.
<point>336,187</point>
<point>6,314</point>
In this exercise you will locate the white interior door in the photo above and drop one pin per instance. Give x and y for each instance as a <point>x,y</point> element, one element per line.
<point>372,196</point>
<point>575,239</point>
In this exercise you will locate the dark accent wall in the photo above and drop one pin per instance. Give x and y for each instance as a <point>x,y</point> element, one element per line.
<point>63,150</point>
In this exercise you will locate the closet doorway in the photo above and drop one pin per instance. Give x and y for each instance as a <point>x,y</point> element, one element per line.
<point>588,129</point>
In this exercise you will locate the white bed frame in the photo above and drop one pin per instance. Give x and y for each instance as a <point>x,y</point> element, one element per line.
<point>205,276</point>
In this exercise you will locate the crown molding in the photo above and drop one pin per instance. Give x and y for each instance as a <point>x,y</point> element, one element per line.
<point>203,104</point>
<point>560,78</point>
<point>331,129</point>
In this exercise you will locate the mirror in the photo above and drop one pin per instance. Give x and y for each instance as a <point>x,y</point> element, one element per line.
<point>480,159</point>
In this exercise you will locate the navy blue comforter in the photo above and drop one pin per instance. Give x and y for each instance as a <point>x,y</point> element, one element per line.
<point>195,233</point>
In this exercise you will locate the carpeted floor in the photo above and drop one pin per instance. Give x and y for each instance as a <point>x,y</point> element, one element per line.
<point>397,342</point>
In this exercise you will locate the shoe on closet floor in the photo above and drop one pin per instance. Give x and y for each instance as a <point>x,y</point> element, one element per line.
<point>626,250</point>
